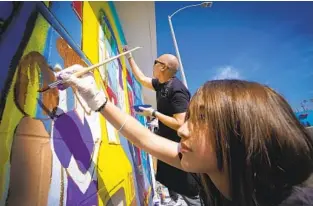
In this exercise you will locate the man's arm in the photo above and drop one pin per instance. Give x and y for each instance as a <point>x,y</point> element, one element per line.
<point>143,79</point>
<point>173,122</point>
<point>179,102</point>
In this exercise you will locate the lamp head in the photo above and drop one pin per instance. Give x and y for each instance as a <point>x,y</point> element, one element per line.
<point>206,4</point>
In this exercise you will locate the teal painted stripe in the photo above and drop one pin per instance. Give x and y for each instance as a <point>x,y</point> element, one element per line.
<point>117,23</point>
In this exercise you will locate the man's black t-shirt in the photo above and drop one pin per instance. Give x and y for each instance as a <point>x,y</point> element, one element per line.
<point>172,98</point>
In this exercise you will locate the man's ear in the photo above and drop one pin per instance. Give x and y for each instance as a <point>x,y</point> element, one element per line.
<point>164,68</point>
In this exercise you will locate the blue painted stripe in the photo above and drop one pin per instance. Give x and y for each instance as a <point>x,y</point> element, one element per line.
<point>70,21</point>
<point>45,12</point>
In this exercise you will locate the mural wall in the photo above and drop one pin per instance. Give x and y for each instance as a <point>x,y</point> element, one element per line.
<point>53,149</point>
<point>305,115</point>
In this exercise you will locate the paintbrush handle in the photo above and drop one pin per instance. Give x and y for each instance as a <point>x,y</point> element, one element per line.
<point>88,69</point>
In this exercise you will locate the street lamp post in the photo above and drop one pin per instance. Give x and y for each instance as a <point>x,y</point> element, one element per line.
<point>204,4</point>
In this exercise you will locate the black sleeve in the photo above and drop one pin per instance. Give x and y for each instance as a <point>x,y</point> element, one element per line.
<point>155,84</point>
<point>180,101</point>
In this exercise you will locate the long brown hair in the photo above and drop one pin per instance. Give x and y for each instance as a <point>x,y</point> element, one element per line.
<point>256,135</point>
<point>31,64</point>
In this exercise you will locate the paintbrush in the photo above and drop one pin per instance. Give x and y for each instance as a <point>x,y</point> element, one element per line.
<point>86,70</point>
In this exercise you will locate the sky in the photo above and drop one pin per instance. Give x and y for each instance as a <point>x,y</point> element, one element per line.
<point>267,42</point>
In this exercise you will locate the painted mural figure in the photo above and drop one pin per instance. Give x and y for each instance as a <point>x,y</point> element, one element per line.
<point>32,135</point>
<point>73,144</point>
<point>31,152</point>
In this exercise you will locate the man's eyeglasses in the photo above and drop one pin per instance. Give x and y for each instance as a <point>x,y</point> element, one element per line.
<point>159,62</point>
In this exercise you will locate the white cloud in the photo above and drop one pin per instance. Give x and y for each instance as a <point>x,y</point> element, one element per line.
<point>227,72</point>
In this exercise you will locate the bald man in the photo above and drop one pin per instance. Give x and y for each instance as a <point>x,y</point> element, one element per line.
<point>172,102</point>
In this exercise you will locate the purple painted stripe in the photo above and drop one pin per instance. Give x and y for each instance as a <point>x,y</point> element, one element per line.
<point>11,39</point>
